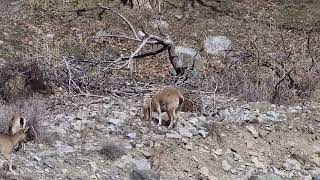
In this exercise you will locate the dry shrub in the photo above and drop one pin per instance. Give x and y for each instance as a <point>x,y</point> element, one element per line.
<point>19,80</point>
<point>192,102</point>
<point>275,65</point>
<point>112,151</point>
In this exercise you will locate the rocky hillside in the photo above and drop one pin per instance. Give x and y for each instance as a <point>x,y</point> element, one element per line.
<point>110,141</point>
<point>249,70</point>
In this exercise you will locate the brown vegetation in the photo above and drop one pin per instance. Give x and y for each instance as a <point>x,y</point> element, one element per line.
<point>272,57</point>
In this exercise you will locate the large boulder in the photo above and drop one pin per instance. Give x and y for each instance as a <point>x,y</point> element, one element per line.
<point>185,56</point>
<point>216,45</point>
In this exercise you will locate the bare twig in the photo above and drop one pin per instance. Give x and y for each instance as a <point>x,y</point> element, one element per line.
<point>122,37</point>
<point>214,92</point>
<point>136,52</point>
<point>35,134</point>
<point>97,101</point>
<point>69,73</point>
<point>75,84</point>
<point>309,48</point>
<point>89,95</point>
<point>121,16</point>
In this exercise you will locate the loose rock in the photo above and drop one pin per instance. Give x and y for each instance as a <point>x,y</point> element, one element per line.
<point>204,171</point>
<point>265,177</point>
<point>225,165</point>
<point>253,131</point>
<point>216,44</point>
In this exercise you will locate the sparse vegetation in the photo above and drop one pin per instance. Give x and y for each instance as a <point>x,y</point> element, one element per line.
<point>112,151</point>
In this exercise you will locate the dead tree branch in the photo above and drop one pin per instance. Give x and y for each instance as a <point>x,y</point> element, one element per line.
<point>69,73</point>
<point>313,61</point>
<point>166,43</point>
<point>136,52</point>
<point>122,17</point>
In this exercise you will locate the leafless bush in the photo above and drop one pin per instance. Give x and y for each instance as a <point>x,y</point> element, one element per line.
<point>112,151</point>
<point>281,67</point>
<point>192,102</point>
<point>20,80</point>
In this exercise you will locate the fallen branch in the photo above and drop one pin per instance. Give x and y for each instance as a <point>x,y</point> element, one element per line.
<point>313,62</point>
<point>69,73</point>
<point>122,37</point>
<point>150,39</point>
<point>136,52</point>
<point>121,16</point>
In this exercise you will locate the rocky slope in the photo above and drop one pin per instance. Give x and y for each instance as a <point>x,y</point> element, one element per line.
<point>110,141</point>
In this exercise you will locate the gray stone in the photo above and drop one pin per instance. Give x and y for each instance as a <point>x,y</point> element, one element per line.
<point>218,152</point>
<point>36,158</point>
<point>316,177</point>
<point>273,114</point>
<point>189,146</point>
<point>184,132</point>
<point>141,164</point>
<point>93,166</point>
<point>116,122</point>
<point>144,175</point>
<point>173,135</point>
<point>193,121</point>
<point>63,149</point>
<point>141,34</point>
<point>132,135</point>
<point>316,149</point>
<point>253,131</point>
<point>265,177</point>
<point>236,156</point>
<point>50,36</point>
<point>161,24</point>
<point>258,164</point>
<point>185,56</point>
<point>90,147</point>
<point>291,164</point>
<point>120,115</point>
<point>77,125</point>
<point>101,33</point>
<point>225,113</point>
<point>204,171</point>
<point>193,130</point>
<point>82,115</point>
<point>309,177</point>
<point>216,44</point>
<point>225,165</point>
<point>48,163</point>
<point>203,133</point>
<point>60,131</point>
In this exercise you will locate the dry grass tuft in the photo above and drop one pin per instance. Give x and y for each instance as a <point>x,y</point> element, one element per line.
<point>112,151</point>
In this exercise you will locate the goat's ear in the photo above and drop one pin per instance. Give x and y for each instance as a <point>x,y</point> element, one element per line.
<point>26,129</point>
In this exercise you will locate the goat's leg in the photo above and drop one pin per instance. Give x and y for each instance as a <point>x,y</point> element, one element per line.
<point>171,118</point>
<point>10,167</point>
<point>158,109</point>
